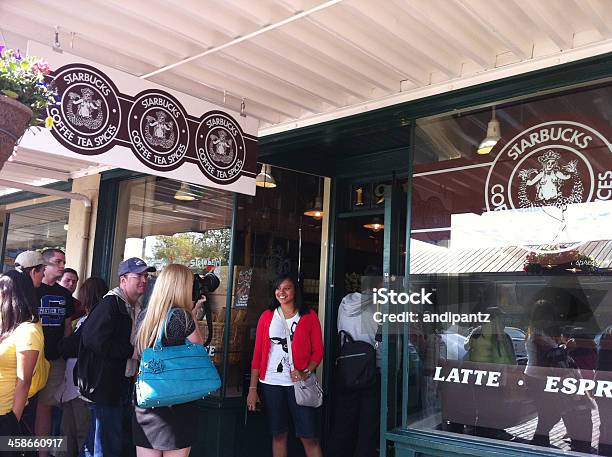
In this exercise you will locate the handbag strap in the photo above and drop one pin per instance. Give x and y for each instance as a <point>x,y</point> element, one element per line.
<point>159,341</point>
<point>287,335</point>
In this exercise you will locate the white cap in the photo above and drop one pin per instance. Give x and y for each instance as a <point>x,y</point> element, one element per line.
<point>29,259</point>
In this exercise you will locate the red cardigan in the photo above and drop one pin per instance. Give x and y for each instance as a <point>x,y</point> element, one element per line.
<point>307,342</point>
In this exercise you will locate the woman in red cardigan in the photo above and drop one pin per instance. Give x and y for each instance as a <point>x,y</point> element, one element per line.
<point>271,366</point>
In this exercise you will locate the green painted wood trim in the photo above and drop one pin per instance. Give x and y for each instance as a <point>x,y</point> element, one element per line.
<point>228,297</point>
<point>7,219</point>
<point>120,174</point>
<point>360,213</point>
<point>108,196</point>
<point>391,257</point>
<point>25,195</point>
<point>406,328</point>
<point>451,445</point>
<point>331,317</point>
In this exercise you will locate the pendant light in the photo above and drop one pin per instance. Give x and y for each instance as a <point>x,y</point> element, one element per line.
<point>316,211</point>
<point>376,225</point>
<point>184,193</point>
<point>493,136</point>
<point>264,178</point>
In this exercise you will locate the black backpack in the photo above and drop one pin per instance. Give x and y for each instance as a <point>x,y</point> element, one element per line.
<point>356,364</point>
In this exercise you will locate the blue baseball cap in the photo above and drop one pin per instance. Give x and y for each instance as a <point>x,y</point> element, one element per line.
<point>133,265</point>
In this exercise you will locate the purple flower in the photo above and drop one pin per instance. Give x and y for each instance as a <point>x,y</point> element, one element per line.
<point>1,48</point>
<point>17,55</point>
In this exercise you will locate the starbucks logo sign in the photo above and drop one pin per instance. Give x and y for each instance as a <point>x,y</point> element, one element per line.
<point>88,118</point>
<point>158,130</point>
<point>150,131</point>
<point>548,167</point>
<point>220,147</point>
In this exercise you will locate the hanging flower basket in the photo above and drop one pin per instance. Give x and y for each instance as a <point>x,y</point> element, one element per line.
<point>24,95</point>
<point>15,118</point>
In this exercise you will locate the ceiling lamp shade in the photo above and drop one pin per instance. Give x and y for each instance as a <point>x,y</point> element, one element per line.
<point>493,136</point>
<point>184,193</point>
<point>264,178</point>
<point>316,212</point>
<point>376,225</point>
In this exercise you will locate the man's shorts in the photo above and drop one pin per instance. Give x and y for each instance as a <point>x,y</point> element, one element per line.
<point>55,382</point>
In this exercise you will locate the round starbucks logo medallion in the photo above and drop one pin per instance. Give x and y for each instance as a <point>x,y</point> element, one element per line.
<point>220,147</point>
<point>546,169</point>
<point>88,117</point>
<point>158,130</point>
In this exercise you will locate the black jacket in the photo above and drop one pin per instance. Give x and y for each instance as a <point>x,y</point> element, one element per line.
<point>103,351</point>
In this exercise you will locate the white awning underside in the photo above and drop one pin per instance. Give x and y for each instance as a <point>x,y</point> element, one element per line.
<point>299,62</point>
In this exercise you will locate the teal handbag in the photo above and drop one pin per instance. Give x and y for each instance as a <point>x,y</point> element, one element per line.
<point>171,375</point>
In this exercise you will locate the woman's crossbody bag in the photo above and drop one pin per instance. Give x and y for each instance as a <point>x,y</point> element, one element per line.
<point>307,392</point>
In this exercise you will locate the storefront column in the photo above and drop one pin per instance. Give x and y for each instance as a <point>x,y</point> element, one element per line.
<point>80,240</point>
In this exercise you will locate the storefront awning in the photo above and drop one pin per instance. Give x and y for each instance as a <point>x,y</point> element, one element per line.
<point>292,63</point>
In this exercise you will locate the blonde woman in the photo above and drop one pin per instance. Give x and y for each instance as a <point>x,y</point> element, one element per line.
<point>170,430</point>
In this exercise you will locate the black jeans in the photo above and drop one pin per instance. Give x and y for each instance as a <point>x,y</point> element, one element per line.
<point>356,427</point>
<point>9,426</point>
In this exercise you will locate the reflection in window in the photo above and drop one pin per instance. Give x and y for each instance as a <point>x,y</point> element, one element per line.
<point>521,234</point>
<point>36,228</point>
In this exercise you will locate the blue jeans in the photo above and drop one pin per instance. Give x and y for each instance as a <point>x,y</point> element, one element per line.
<point>109,432</point>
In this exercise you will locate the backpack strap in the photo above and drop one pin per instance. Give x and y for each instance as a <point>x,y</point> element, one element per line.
<point>345,337</point>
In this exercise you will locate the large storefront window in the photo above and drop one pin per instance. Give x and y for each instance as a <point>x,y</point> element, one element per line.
<point>164,221</point>
<point>35,228</point>
<point>522,234</point>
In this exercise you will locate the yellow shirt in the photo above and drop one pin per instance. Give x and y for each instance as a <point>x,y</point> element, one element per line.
<point>26,337</point>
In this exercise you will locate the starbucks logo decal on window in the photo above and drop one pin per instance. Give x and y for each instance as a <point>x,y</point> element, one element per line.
<point>552,164</point>
<point>547,171</point>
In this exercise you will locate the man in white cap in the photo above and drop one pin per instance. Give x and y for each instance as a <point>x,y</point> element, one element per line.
<point>33,264</point>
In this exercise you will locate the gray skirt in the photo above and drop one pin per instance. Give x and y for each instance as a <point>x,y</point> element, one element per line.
<point>165,428</point>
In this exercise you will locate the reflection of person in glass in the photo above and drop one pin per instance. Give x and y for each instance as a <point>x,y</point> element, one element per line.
<point>489,343</point>
<point>604,404</point>
<point>549,350</point>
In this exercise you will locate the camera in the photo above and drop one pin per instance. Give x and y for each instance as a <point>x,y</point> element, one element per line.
<point>204,285</point>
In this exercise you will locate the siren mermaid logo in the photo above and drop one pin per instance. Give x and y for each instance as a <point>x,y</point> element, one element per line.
<point>220,147</point>
<point>543,173</point>
<point>88,110</point>
<point>161,127</point>
<point>554,184</point>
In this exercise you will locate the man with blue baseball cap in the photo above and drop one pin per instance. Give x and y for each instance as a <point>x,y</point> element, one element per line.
<point>105,366</point>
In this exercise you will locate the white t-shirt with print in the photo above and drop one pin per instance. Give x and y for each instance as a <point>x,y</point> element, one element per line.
<point>278,372</point>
